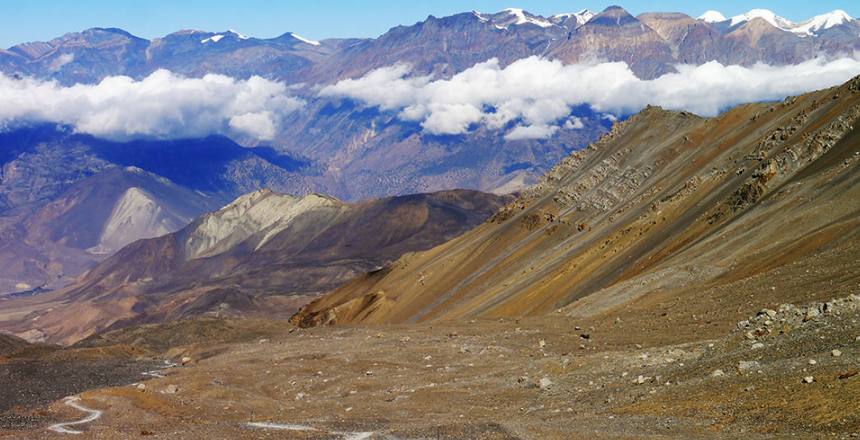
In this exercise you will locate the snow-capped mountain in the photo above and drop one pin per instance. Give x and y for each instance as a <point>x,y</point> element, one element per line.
<point>712,16</point>
<point>516,17</point>
<point>806,28</point>
<point>818,23</point>
<point>580,17</point>
<point>766,15</point>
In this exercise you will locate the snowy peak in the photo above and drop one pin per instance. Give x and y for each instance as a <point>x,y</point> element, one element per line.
<point>821,22</point>
<point>581,17</point>
<point>230,34</point>
<point>766,15</point>
<point>712,16</point>
<point>806,28</point>
<point>517,17</point>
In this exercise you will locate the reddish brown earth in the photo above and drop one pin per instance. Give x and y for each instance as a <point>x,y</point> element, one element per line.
<point>681,278</point>
<point>758,205</point>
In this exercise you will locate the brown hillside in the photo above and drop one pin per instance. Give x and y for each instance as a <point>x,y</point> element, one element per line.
<point>758,206</point>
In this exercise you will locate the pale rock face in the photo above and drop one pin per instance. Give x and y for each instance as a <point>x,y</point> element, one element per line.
<point>260,212</point>
<point>136,215</point>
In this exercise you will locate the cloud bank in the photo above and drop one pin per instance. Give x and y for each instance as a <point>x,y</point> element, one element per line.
<point>161,106</point>
<point>537,94</point>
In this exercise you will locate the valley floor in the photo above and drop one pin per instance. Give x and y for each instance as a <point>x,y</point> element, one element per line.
<point>550,378</point>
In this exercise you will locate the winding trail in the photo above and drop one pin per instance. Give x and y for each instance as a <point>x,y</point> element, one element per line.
<point>280,426</point>
<point>293,427</point>
<point>157,373</point>
<point>92,415</point>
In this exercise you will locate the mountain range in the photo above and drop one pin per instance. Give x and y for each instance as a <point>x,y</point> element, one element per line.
<point>69,200</point>
<point>469,227</point>
<point>651,43</point>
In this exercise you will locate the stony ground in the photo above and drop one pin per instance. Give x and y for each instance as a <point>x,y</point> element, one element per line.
<point>787,372</point>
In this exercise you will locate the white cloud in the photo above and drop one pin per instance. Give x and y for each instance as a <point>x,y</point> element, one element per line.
<point>61,61</point>
<point>574,123</point>
<point>539,94</point>
<point>162,105</point>
<point>531,132</point>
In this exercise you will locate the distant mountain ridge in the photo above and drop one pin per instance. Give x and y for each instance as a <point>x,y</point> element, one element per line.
<point>92,54</point>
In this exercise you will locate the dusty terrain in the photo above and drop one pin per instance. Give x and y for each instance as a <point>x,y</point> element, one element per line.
<point>263,255</point>
<point>555,377</point>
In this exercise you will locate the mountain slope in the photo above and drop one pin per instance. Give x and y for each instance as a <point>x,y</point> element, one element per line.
<point>667,206</point>
<point>69,200</point>
<point>9,343</point>
<point>45,243</point>
<point>264,254</point>
<point>615,35</point>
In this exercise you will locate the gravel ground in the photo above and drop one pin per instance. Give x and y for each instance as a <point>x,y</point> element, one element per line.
<point>547,378</point>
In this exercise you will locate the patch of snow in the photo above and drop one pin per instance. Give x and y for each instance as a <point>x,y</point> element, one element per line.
<point>305,40</point>
<point>238,35</point>
<point>215,38</point>
<point>522,18</point>
<point>712,16</point>
<point>480,17</point>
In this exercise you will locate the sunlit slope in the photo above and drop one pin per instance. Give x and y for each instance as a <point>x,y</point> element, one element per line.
<point>668,205</point>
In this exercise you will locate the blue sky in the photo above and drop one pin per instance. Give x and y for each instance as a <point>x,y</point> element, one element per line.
<point>33,20</point>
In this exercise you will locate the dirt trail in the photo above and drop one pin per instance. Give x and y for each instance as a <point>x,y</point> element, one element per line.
<point>551,377</point>
<point>92,415</point>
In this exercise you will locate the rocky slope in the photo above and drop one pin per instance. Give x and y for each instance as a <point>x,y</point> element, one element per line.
<point>9,344</point>
<point>68,201</point>
<point>264,254</point>
<point>667,208</point>
<point>47,242</point>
